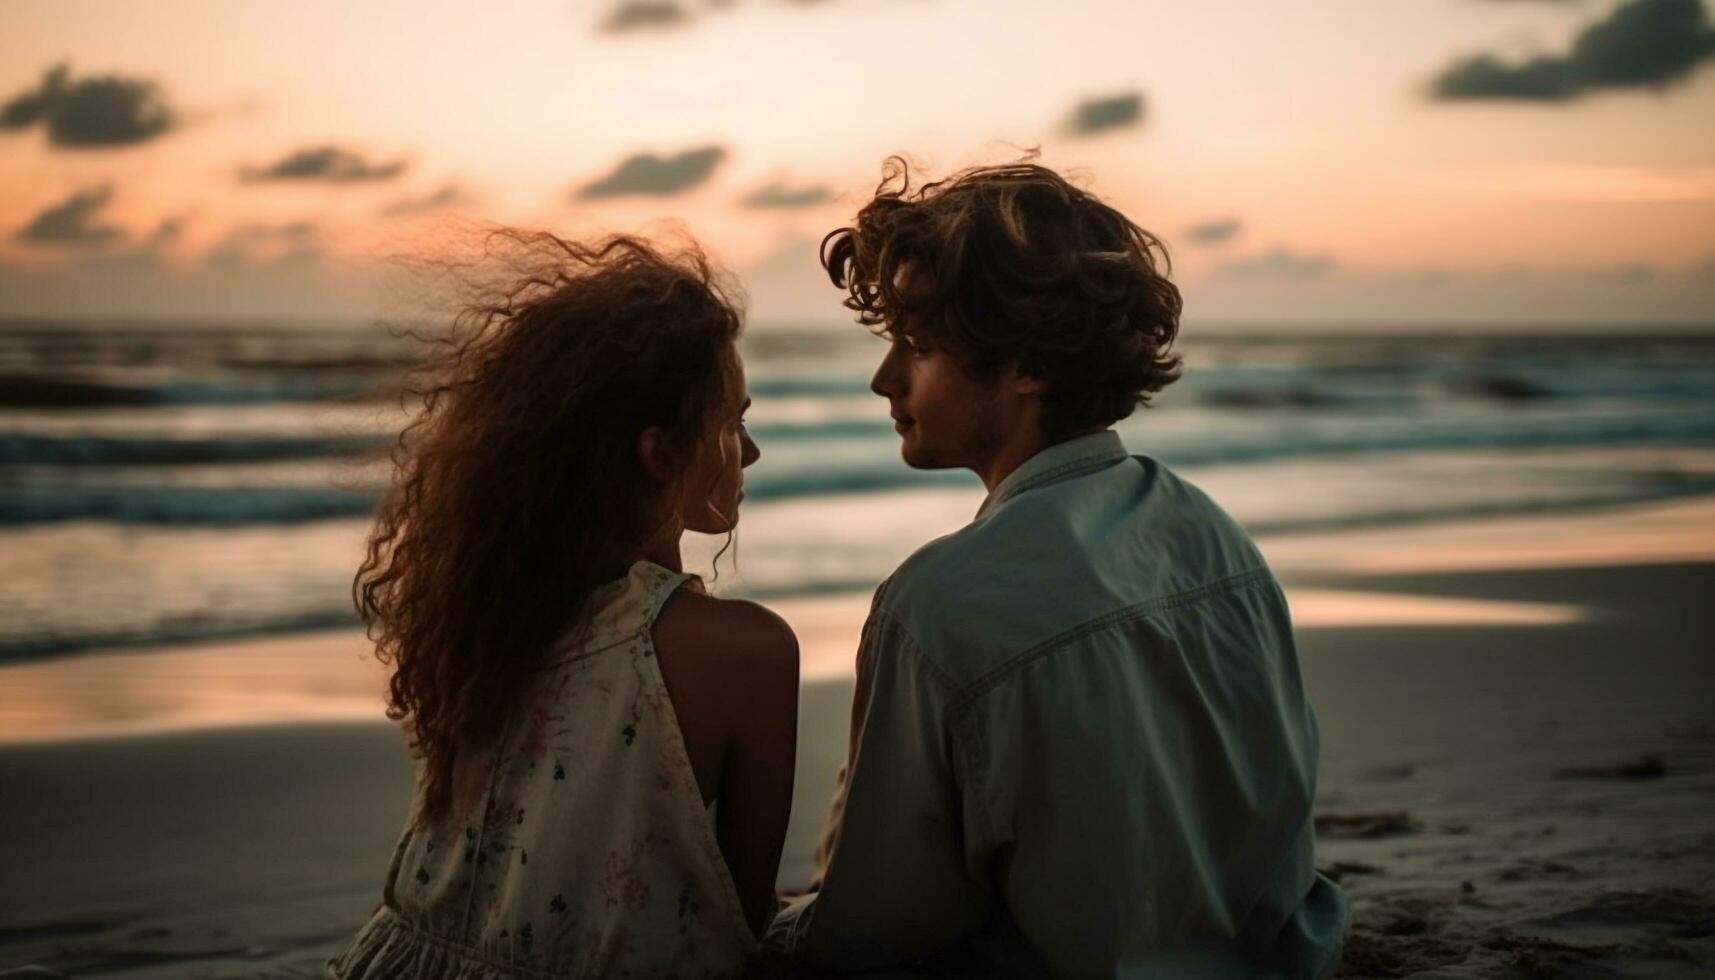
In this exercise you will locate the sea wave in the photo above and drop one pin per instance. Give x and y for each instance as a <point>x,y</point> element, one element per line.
<point>337,613</point>
<point>18,647</point>
<point>869,464</point>
<point>203,506</point>
<point>40,391</point>
<point>95,450</point>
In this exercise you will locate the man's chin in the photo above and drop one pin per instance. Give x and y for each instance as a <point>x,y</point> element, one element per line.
<point>924,458</point>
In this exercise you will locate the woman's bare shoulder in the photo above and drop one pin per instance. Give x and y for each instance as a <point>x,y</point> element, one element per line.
<point>729,628</point>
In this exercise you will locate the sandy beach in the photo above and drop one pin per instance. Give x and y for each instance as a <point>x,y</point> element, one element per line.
<point>1518,765</point>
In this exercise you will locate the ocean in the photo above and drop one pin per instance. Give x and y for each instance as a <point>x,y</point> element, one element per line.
<point>165,483</point>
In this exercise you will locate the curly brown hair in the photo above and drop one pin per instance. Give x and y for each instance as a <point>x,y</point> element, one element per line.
<point>1012,265</point>
<point>518,488</point>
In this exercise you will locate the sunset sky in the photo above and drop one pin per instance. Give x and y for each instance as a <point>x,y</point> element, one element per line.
<point>1470,162</point>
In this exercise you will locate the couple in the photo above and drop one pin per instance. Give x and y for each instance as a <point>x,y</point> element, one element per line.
<point>1079,742</point>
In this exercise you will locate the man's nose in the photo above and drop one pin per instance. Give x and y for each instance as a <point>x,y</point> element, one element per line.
<point>886,381</point>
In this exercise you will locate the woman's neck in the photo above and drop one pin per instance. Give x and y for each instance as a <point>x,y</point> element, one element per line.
<point>663,549</point>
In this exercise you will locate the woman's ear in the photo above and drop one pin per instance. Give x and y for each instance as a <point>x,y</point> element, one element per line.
<point>652,451</point>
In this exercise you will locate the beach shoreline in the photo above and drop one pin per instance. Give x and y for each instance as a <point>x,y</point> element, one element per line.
<point>1333,579</point>
<point>1517,765</point>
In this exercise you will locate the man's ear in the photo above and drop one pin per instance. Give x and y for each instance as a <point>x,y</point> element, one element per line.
<point>651,450</point>
<point>1024,384</point>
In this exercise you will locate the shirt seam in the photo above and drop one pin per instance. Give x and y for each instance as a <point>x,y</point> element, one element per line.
<point>917,654</point>
<point>966,759</point>
<point>998,673</point>
<point>1086,462</point>
<point>971,752</point>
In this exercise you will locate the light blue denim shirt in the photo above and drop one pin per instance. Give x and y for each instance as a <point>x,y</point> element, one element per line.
<point>1080,748</point>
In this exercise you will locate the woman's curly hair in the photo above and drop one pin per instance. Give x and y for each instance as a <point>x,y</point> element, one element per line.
<point>518,487</point>
<point>1013,265</point>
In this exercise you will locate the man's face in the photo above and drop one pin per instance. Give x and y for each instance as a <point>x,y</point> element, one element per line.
<point>943,417</point>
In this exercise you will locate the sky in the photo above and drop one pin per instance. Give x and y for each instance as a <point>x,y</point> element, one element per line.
<point>1483,163</point>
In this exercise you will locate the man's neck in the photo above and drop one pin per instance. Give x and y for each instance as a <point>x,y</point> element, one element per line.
<point>1016,452</point>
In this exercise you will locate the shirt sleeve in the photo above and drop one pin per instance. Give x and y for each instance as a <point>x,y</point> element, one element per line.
<point>896,884</point>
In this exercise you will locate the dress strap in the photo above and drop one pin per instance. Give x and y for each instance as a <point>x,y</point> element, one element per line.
<point>660,584</point>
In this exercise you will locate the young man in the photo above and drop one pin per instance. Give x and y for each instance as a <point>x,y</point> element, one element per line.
<point>1080,746</point>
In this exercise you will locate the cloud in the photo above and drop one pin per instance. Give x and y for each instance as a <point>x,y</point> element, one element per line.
<point>1481,297</point>
<point>1108,112</point>
<point>778,195</point>
<point>1281,263</point>
<point>448,195</point>
<point>1588,183</point>
<point>1214,232</point>
<point>332,164</point>
<point>628,16</point>
<point>1641,44</point>
<point>147,255</point>
<point>170,230</point>
<point>34,105</point>
<point>635,15</point>
<point>137,280</point>
<point>72,221</point>
<point>259,245</point>
<point>1634,274</point>
<point>648,174</point>
<point>95,111</point>
<point>787,287</point>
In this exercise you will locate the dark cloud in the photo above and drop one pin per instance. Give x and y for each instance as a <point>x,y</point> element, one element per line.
<point>257,245</point>
<point>449,195</point>
<point>627,16</point>
<point>146,255</point>
<point>95,111</point>
<point>1428,276</point>
<point>72,221</point>
<point>167,232</point>
<point>636,15</point>
<point>648,174</point>
<point>332,164</point>
<point>778,195</point>
<point>1280,263</point>
<point>1637,273</point>
<point>1214,232</point>
<point>1108,112</point>
<point>33,105</point>
<point>1641,44</point>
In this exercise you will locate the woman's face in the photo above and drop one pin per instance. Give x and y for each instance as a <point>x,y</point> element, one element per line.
<point>715,484</point>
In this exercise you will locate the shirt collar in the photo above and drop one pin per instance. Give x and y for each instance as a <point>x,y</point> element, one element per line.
<point>1069,458</point>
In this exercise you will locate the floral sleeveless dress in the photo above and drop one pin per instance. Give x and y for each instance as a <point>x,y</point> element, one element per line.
<point>581,847</point>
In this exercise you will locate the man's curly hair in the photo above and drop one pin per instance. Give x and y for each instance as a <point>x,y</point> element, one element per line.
<point>1013,265</point>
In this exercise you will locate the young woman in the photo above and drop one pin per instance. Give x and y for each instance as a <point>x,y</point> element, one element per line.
<point>605,751</point>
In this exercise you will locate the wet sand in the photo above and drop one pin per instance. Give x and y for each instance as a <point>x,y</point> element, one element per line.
<point>1518,765</point>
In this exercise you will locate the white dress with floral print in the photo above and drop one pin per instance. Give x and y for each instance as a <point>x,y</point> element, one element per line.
<point>581,848</point>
